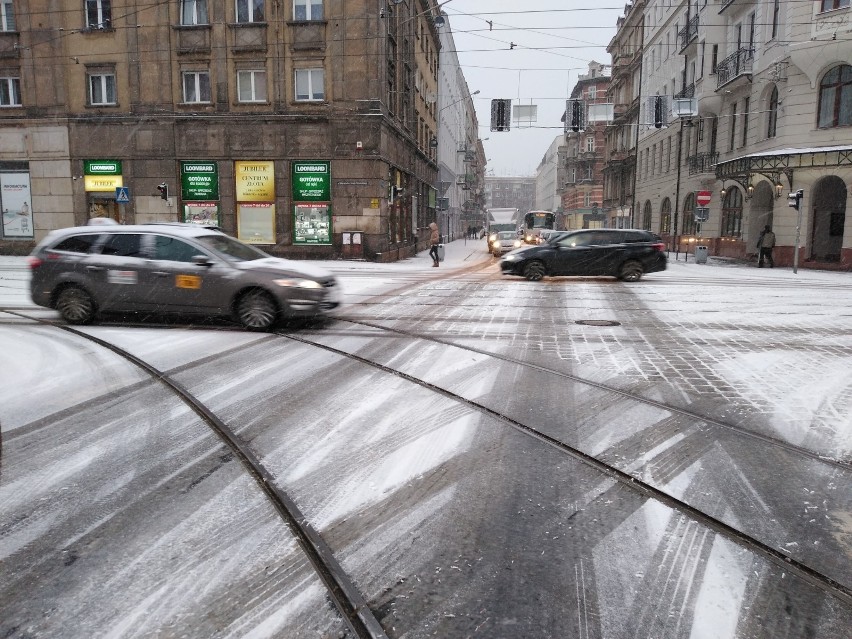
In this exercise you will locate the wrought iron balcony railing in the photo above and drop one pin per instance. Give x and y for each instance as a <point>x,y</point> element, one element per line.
<point>689,32</point>
<point>737,64</point>
<point>702,163</point>
<point>687,92</point>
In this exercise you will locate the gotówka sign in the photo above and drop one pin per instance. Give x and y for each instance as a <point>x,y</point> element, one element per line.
<point>311,181</point>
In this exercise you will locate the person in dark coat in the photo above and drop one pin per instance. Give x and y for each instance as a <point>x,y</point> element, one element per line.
<point>765,244</point>
<point>434,240</point>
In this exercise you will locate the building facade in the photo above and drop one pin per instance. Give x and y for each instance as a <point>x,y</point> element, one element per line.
<point>304,126</point>
<point>771,82</point>
<point>549,178</point>
<point>510,193</point>
<point>582,195</point>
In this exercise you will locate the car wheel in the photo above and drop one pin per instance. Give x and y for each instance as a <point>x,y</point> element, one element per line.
<point>630,271</point>
<point>75,305</point>
<point>534,271</point>
<point>256,310</point>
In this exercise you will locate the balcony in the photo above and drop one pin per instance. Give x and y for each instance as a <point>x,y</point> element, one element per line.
<point>702,163</point>
<point>736,65</point>
<point>687,92</point>
<point>689,33</point>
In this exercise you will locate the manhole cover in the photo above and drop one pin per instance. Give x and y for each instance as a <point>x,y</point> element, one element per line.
<point>598,323</point>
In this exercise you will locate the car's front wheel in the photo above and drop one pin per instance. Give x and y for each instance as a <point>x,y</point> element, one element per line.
<point>534,271</point>
<point>75,305</point>
<point>631,271</point>
<point>256,310</point>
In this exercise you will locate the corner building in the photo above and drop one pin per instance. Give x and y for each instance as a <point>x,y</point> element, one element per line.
<point>301,126</point>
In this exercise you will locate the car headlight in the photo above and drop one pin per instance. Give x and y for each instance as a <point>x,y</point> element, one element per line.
<point>517,243</point>
<point>298,283</point>
<point>496,243</point>
<point>510,257</point>
<point>491,238</point>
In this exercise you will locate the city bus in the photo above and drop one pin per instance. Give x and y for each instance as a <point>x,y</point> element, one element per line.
<point>535,222</point>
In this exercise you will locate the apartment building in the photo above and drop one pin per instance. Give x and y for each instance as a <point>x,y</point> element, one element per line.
<point>772,88</point>
<point>582,195</point>
<point>304,126</point>
<point>550,177</point>
<point>510,192</point>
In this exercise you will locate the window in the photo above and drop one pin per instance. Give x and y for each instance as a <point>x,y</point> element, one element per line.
<point>123,245</point>
<point>732,213</point>
<point>307,9</point>
<point>7,16</point>
<point>196,87</point>
<point>666,216</point>
<point>250,11</point>
<point>829,5</point>
<point>646,216</point>
<point>746,106</point>
<point>102,89</point>
<point>776,17</point>
<point>592,93</point>
<point>193,12</point>
<point>701,66</point>
<point>174,250</point>
<point>77,243</point>
<point>733,127</point>
<point>590,144</point>
<point>251,86</point>
<point>10,92</point>
<point>772,114</point>
<point>98,14</point>
<point>835,97</point>
<point>688,227</point>
<point>309,84</point>
<point>587,200</point>
<point>714,59</point>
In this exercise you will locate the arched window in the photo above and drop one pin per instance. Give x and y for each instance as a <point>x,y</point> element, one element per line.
<point>666,216</point>
<point>732,213</point>
<point>772,114</point>
<point>835,97</point>
<point>646,216</point>
<point>688,225</point>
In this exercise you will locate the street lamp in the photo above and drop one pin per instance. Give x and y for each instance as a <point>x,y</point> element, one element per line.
<point>459,100</point>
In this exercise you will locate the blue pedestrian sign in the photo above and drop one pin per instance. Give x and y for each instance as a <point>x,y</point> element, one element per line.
<point>122,194</point>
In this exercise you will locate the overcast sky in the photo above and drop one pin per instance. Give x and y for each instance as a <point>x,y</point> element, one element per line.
<point>554,42</point>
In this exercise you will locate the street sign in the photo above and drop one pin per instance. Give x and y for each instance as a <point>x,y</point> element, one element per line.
<point>702,214</point>
<point>702,198</point>
<point>122,194</point>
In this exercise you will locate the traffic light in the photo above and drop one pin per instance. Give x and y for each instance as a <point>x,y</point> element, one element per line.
<point>659,101</point>
<point>164,190</point>
<point>501,115</point>
<point>575,115</point>
<point>794,200</point>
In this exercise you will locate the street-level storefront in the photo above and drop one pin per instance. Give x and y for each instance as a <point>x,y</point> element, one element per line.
<point>101,178</point>
<point>16,201</point>
<point>311,193</point>
<point>199,187</point>
<point>756,190</point>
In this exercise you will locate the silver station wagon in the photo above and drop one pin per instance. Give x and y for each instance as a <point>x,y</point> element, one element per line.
<point>173,268</point>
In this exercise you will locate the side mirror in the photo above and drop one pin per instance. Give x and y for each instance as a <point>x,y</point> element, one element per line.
<point>202,260</point>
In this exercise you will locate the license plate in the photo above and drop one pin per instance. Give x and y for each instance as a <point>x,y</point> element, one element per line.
<point>187,281</point>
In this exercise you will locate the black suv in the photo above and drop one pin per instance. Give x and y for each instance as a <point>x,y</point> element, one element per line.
<point>623,253</point>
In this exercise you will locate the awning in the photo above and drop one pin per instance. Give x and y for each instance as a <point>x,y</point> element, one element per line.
<point>774,164</point>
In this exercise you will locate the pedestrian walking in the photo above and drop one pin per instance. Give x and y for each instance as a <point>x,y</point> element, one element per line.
<point>434,240</point>
<point>765,244</point>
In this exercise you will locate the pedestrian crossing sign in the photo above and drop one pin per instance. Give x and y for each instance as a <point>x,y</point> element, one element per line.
<point>122,194</point>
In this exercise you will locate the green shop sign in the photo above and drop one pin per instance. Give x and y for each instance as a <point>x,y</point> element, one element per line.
<point>311,181</point>
<point>199,180</point>
<point>102,167</point>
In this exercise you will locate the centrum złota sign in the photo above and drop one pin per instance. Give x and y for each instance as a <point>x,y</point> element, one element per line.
<point>199,181</point>
<point>311,181</point>
<point>255,181</point>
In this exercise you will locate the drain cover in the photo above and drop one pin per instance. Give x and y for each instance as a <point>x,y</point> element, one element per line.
<point>598,323</point>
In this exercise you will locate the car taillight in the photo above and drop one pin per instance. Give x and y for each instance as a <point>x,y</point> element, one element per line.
<point>660,246</point>
<point>35,262</point>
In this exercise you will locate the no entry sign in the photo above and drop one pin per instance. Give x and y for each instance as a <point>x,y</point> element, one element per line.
<point>702,198</point>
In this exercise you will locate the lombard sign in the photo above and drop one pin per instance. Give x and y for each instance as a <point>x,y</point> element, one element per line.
<point>102,175</point>
<point>311,181</point>
<point>199,181</point>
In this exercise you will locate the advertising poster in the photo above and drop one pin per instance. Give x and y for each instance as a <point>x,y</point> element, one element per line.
<point>201,213</point>
<point>255,181</point>
<point>312,223</point>
<point>199,181</point>
<point>256,222</point>
<point>17,206</point>
<point>311,186</point>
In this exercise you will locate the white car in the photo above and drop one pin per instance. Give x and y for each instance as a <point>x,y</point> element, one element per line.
<point>506,241</point>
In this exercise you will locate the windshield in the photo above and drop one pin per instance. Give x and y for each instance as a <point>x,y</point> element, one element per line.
<point>231,249</point>
<point>507,235</point>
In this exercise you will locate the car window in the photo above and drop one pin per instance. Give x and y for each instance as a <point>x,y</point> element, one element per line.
<point>77,243</point>
<point>630,238</point>
<point>123,245</point>
<point>231,248</point>
<point>170,248</point>
<point>575,239</point>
